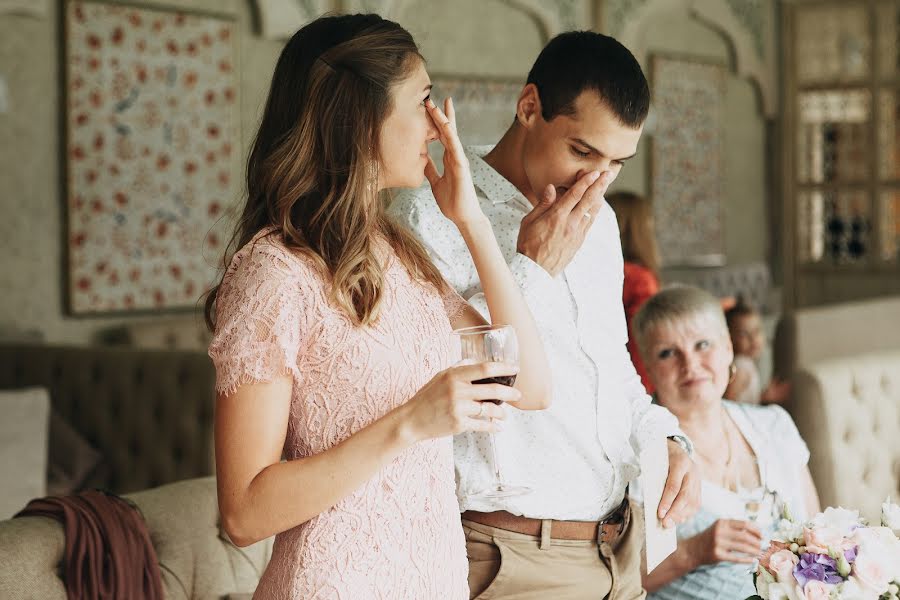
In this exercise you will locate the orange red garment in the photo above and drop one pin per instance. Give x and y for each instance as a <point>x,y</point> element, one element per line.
<point>640,284</point>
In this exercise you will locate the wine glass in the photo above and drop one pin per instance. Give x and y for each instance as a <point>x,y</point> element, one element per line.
<point>492,343</point>
<point>754,492</point>
<point>759,501</point>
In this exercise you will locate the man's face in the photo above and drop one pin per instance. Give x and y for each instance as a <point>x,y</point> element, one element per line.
<point>563,149</point>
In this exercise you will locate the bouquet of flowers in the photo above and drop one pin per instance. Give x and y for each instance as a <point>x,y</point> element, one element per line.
<point>835,556</point>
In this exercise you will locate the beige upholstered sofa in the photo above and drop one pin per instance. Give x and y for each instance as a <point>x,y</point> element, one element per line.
<point>844,360</point>
<point>196,561</point>
<point>150,415</point>
<point>148,412</point>
<point>848,410</point>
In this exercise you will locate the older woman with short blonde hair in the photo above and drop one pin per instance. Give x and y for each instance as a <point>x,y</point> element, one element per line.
<point>752,458</point>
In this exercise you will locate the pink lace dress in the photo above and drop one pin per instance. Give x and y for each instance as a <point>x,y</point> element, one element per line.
<point>399,536</point>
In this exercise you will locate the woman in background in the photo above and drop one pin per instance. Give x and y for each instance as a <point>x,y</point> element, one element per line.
<point>635,216</point>
<point>752,459</point>
<point>333,337</point>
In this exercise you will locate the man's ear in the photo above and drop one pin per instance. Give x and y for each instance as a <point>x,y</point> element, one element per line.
<point>528,108</point>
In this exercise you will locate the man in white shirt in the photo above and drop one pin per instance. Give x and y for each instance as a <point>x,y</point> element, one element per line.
<point>578,119</point>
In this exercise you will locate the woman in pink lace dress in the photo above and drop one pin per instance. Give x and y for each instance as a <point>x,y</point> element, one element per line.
<point>333,345</point>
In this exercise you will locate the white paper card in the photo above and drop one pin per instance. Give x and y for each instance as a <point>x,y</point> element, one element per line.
<point>659,542</point>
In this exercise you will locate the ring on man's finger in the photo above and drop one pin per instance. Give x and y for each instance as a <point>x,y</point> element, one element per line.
<point>587,215</point>
<point>480,411</point>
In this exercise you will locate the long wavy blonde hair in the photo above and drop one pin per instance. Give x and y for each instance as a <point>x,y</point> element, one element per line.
<point>313,169</point>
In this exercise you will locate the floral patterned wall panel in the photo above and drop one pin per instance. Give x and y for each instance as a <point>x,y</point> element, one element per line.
<point>152,141</point>
<point>686,160</point>
<point>485,108</point>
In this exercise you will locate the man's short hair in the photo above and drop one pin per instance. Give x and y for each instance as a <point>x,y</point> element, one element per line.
<point>576,61</point>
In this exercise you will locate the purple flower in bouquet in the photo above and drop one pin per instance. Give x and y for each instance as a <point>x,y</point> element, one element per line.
<point>817,567</point>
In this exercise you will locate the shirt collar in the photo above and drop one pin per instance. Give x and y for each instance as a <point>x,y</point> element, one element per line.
<point>496,188</point>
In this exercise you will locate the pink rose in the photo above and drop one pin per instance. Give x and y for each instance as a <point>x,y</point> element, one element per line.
<point>820,539</point>
<point>870,574</point>
<point>816,590</point>
<point>772,549</point>
<point>781,564</point>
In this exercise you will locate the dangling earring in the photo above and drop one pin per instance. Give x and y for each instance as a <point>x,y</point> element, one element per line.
<point>732,372</point>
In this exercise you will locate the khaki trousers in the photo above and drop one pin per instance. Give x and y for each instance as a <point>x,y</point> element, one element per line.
<point>513,566</point>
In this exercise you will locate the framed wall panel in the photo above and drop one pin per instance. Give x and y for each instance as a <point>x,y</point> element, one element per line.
<point>151,148</point>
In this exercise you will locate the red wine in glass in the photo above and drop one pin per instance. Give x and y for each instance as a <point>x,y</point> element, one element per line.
<point>492,343</point>
<point>507,380</point>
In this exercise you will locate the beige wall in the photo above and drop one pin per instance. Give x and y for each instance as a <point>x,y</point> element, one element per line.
<point>486,38</point>
<point>33,275</point>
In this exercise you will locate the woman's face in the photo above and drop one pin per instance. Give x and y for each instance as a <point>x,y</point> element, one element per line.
<point>688,361</point>
<point>405,134</point>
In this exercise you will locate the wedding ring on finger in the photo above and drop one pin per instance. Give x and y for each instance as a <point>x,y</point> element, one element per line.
<point>587,215</point>
<point>480,414</point>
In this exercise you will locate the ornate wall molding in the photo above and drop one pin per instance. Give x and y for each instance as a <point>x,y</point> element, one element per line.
<point>754,54</point>
<point>279,19</point>
<point>38,9</point>
<point>752,61</point>
<point>556,17</point>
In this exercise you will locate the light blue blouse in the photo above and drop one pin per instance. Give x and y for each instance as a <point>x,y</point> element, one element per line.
<point>782,454</point>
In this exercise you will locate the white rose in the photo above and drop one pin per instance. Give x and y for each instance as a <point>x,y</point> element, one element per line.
<point>785,591</point>
<point>880,546</point>
<point>842,519</point>
<point>788,531</point>
<point>890,516</point>
<point>763,580</point>
<point>852,590</point>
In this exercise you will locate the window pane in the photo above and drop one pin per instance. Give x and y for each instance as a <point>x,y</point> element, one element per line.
<point>832,135</point>
<point>888,141</point>
<point>811,229</point>
<point>888,29</point>
<point>834,227</point>
<point>832,43</point>
<point>889,221</point>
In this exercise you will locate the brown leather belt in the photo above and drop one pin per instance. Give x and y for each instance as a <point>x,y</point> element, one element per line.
<point>607,530</point>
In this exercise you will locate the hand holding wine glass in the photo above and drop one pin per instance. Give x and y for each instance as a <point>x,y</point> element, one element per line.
<point>451,403</point>
<point>498,344</point>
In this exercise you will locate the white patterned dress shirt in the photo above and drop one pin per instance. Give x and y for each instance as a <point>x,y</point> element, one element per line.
<point>579,455</point>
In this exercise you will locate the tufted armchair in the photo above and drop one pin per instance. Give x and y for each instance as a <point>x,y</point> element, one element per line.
<point>148,412</point>
<point>848,411</point>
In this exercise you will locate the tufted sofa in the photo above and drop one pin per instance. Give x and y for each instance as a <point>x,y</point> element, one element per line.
<point>196,560</point>
<point>149,413</point>
<point>844,360</point>
<point>848,411</point>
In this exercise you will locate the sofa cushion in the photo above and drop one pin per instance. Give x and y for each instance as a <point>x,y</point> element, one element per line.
<point>24,416</point>
<point>195,561</point>
<point>71,460</point>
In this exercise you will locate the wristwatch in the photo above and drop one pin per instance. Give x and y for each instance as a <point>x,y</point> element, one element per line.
<point>685,444</point>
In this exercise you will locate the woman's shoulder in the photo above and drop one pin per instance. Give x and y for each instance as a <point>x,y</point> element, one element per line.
<point>267,255</point>
<point>770,421</point>
<point>759,413</point>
